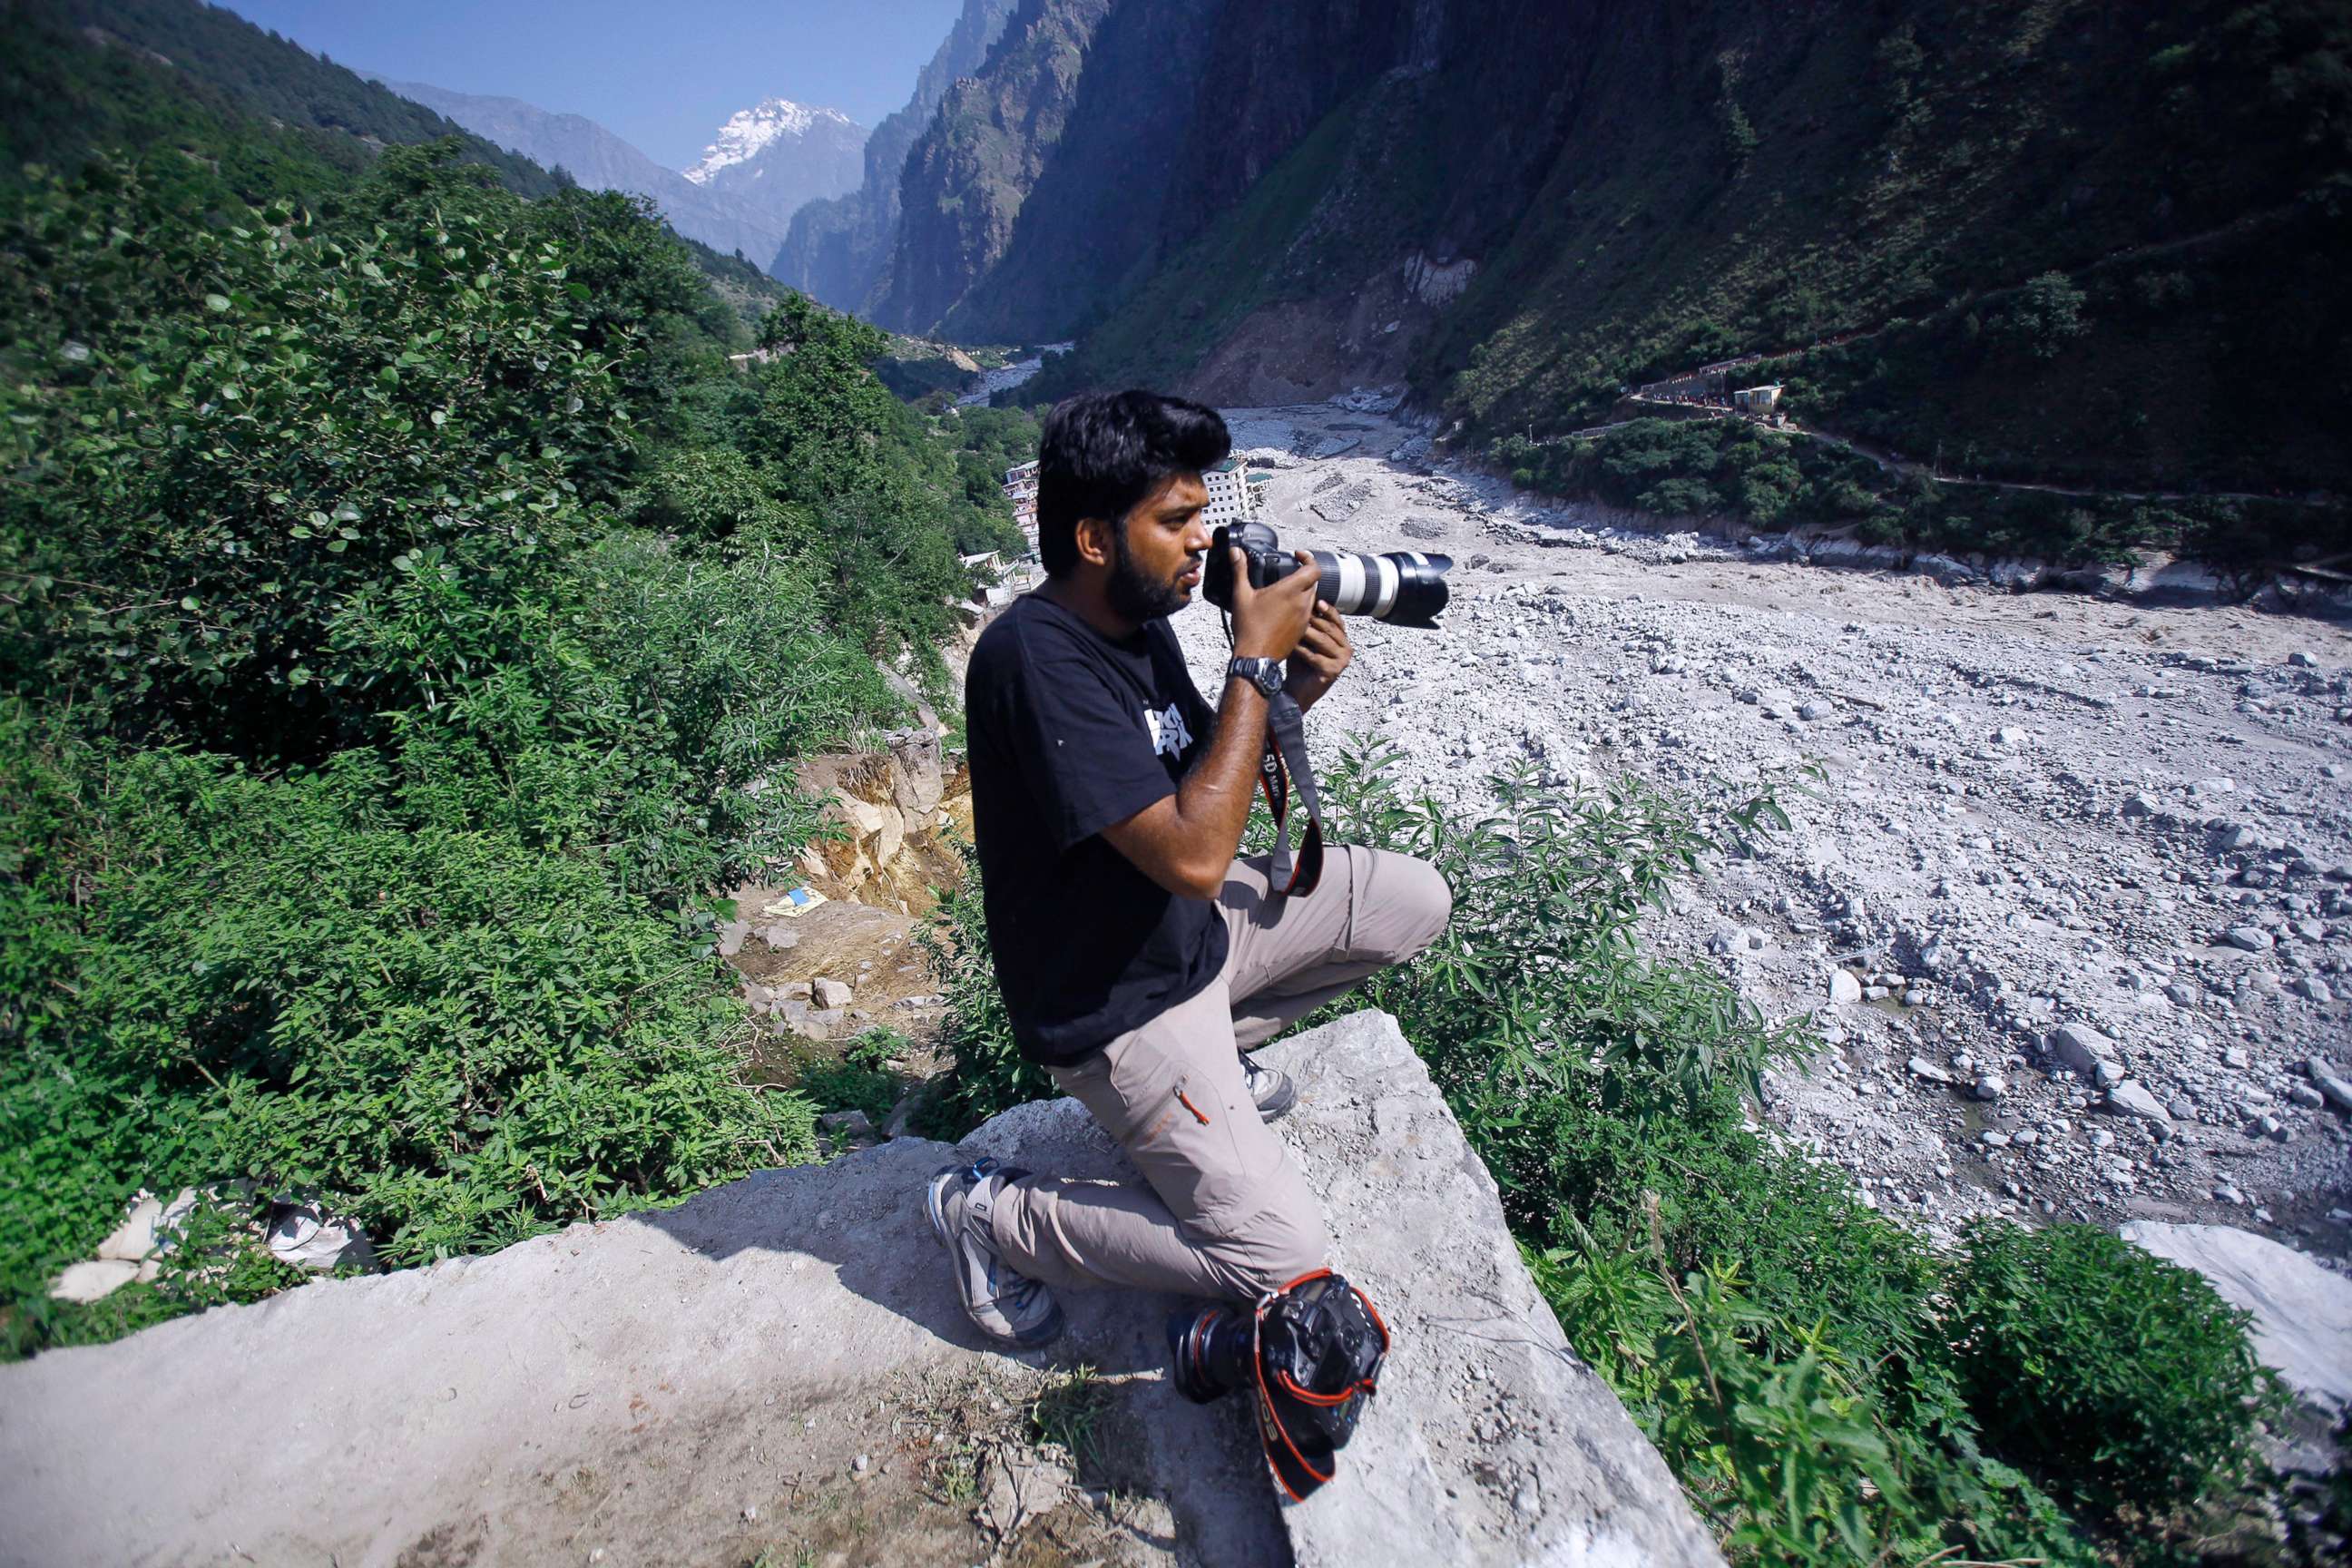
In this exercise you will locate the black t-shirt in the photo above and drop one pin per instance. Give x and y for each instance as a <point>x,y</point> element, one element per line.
<point>1071,731</point>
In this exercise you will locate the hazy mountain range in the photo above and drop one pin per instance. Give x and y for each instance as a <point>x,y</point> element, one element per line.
<point>762,166</point>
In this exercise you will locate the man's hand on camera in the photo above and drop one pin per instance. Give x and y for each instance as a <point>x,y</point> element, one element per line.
<point>1322,655</point>
<point>1268,621</point>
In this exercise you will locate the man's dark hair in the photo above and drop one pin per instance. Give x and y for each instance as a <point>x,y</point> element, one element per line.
<point>1101,453</point>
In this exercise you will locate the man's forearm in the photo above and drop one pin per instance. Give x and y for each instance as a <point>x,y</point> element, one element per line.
<point>1213,801</point>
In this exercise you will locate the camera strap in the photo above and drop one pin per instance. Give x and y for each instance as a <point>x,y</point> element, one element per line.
<point>1283,768</point>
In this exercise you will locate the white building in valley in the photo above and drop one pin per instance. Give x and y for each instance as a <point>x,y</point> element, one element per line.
<point>1021,490</point>
<point>1233,498</point>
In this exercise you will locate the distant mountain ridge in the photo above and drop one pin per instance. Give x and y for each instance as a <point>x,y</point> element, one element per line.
<point>601,160</point>
<point>767,161</point>
<point>218,57</point>
<point>838,251</point>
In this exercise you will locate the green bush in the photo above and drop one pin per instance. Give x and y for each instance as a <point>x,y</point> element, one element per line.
<point>276,481</point>
<point>865,1078</point>
<point>987,1072</point>
<point>311,981</point>
<point>2113,1376</point>
<point>370,852</point>
<point>1701,468</point>
<point>2042,315</point>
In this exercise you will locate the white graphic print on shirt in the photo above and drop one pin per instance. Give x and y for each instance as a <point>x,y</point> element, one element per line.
<point>1170,735</point>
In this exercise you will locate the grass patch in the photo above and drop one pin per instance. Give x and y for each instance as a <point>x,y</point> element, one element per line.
<point>864,1077</point>
<point>1069,1413</point>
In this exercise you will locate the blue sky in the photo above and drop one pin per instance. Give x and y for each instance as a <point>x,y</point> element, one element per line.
<point>663,76</point>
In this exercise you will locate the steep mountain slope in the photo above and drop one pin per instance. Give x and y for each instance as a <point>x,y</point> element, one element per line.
<point>600,160</point>
<point>2073,242</point>
<point>88,83</point>
<point>773,158</point>
<point>969,173</point>
<point>838,250</point>
<point>252,112</point>
<point>1519,208</point>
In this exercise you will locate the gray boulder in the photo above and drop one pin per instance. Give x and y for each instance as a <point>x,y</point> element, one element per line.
<point>1489,1442</point>
<point>677,1385</point>
<point>2081,1048</point>
<point>2331,1083</point>
<point>2126,1096</point>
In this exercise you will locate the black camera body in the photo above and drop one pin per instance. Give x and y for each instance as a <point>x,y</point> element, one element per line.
<point>1404,587</point>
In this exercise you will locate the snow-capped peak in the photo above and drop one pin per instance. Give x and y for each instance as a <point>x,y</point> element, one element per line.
<point>748,133</point>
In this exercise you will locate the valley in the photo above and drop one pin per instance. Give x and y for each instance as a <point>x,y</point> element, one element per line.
<point>2013,816</point>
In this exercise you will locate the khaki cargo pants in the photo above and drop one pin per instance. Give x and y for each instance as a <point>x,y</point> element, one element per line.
<point>1226,1213</point>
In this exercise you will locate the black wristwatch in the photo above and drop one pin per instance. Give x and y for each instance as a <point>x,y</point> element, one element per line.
<point>1265,674</point>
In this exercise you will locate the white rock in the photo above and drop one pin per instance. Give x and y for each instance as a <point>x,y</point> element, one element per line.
<point>832,993</point>
<point>2303,1313</point>
<point>2081,1048</point>
<point>2253,939</point>
<point>134,1238</point>
<point>2331,1083</point>
<point>1844,987</point>
<point>93,1281</point>
<point>309,1236</point>
<point>2126,1096</point>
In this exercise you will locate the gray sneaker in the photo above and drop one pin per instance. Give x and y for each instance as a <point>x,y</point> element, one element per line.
<point>1270,1088</point>
<point>1009,1306</point>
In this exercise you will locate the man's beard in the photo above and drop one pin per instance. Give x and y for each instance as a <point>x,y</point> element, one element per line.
<point>1134,595</point>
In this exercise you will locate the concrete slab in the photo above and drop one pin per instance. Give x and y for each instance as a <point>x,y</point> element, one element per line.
<point>700,1385</point>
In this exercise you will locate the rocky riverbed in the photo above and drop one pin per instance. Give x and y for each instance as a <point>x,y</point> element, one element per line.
<point>2070,895</point>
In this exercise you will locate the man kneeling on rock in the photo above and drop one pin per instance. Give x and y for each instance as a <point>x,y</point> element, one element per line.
<point>1139,960</point>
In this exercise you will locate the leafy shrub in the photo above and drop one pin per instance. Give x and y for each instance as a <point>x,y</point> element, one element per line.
<point>1700,466</point>
<point>371,856</point>
<point>987,1072</point>
<point>2042,315</point>
<point>279,480</point>
<point>2111,1374</point>
<point>307,981</point>
<point>862,1079</point>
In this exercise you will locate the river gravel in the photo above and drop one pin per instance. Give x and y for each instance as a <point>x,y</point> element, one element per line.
<point>2071,901</point>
